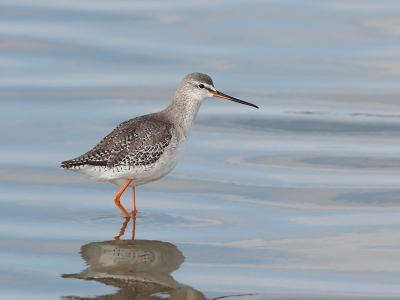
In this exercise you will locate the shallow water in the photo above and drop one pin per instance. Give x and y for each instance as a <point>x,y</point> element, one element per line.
<point>296,200</point>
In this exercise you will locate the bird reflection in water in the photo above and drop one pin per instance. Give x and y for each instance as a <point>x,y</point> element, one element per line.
<point>139,268</point>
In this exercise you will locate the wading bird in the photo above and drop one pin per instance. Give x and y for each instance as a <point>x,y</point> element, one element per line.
<point>147,148</point>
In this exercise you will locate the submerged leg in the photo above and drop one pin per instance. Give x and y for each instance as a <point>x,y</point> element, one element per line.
<point>133,225</point>
<point>118,195</point>
<point>134,210</point>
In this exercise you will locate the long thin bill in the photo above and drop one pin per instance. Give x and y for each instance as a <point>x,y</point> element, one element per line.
<point>224,96</point>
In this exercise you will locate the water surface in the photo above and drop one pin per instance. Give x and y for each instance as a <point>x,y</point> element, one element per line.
<point>299,199</point>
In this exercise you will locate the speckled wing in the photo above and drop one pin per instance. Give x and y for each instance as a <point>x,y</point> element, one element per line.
<point>137,142</point>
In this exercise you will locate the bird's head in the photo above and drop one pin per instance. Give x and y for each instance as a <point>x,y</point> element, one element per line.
<point>199,86</point>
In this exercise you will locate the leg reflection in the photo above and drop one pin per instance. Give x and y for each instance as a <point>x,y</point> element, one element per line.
<point>139,269</point>
<point>123,228</point>
<point>133,224</point>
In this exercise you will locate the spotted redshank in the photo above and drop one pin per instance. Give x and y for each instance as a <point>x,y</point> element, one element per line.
<point>147,148</point>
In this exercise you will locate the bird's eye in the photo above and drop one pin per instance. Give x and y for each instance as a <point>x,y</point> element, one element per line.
<point>201,86</point>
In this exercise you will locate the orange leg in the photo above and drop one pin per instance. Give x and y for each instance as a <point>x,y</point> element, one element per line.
<point>134,210</point>
<point>118,195</point>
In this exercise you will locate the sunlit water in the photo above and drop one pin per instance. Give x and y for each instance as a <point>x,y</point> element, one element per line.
<point>299,199</point>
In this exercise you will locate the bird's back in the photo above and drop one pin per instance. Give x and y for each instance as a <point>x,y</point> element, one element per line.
<point>134,143</point>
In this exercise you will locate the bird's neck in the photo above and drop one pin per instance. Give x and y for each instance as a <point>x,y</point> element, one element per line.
<point>182,111</point>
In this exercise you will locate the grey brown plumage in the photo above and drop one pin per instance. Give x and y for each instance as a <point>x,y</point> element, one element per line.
<point>136,142</point>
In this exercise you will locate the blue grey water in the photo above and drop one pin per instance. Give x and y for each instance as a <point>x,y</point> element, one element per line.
<point>297,200</point>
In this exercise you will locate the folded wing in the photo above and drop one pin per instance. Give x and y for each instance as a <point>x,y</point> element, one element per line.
<point>137,142</point>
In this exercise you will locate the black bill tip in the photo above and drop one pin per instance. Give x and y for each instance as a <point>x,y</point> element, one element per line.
<point>224,96</point>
